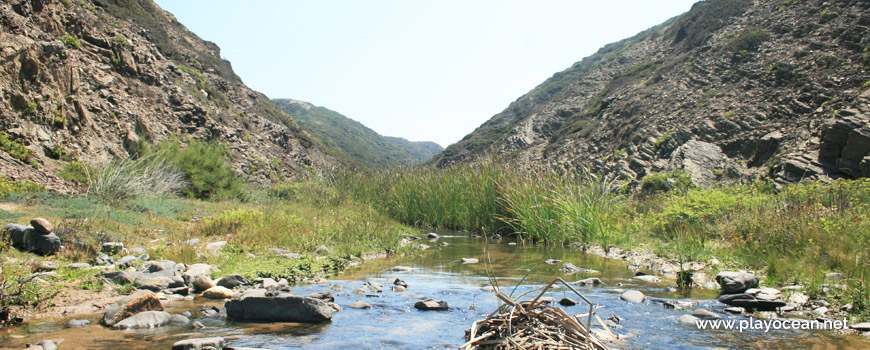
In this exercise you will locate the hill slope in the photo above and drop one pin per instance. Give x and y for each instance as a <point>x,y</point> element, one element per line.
<point>90,78</point>
<point>731,90</point>
<point>355,143</point>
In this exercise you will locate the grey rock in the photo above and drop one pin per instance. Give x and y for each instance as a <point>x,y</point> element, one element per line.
<point>269,283</point>
<point>705,314</point>
<point>154,283</point>
<point>232,281</point>
<point>688,319</point>
<point>79,266</point>
<point>648,278</point>
<point>46,266</point>
<point>322,250</point>
<point>431,305</point>
<point>401,268</point>
<point>197,325</point>
<point>127,261</point>
<point>360,305</point>
<point>834,276</point>
<point>192,241</point>
<point>469,260</point>
<point>179,320</point>
<point>698,159</point>
<point>196,270</point>
<point>26,238</point>
<point>104,260</point>
<point>325,296</point>
<point>46,345</point>
<point>432,235</point>
<point>552,261</point>
<point>282,308</point>
<point>117,277</point>
<point>592,281</point>
<point>78,323</point>
<point>218,292</point>
<point>147,319</point>
<point>736,282</point>
<point>373,287</point>
<point>138,251</point>
<point>213,343</point>
<point>633,296</point>
<point>861,327</point>
<point>735,310</point>
<point>112,248</point>
<point>216,246</point>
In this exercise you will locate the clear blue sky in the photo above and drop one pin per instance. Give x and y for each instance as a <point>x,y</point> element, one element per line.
<point>422,70</point>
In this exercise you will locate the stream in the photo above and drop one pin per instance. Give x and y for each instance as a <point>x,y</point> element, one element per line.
<point>393,323</point>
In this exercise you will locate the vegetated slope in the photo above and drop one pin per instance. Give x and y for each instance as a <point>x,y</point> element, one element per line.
<point>731,90</point>
<point>89,79</point>
<point>353,142</point>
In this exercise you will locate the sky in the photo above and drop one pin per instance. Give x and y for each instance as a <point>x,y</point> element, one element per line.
<point>425,70</point>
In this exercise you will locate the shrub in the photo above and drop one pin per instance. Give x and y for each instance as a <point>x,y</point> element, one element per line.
<point>71,41</point>
<point>204,166</point>
<point>8,187</point>
<point>124,179</point>
<point>30,108</point>
<point>664,182</point>
<point>120,39</point>
<point>77,172</point>
<point>749,39</point>
<point>16,149</point>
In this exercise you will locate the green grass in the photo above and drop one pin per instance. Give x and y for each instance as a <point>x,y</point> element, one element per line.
<point>71,41</point>
<point>794,235</point>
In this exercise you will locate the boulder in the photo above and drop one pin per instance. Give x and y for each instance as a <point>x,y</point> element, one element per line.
<point>179,320</point>
<point>567,302</point>
<point>78,323</point>
<point>322,250</point>
<point>26,238</point>
<point>399,289</point>
<point>469,260</point>
<point>216,246</point>
<point>196,270</point>
<point>44,345</point>
<point>202,282</point>
<point>735,310</point>
<point>749,302</point>
<point>117,277</point>
<point>401,269</point>
<point>698,159</point>
<point>360,305</point>
<point>146,319</point>
<point>42,225</point>
<point>131,305</point>
<point>552,261</point>
<point>570,269</point>
<point>154,283</point>
<point>127,261</point>
<point>282,308</point>
<point>432,235</point>
<point>688,319</point>
<point>218,292</point>
<point>213,343</point>
<point>592,281</point>
<point>431,305</point>
<point>736,282</point>
<point>232,281</point>
<point>649,278</point>
<point>45,266</point>
<point>861,327</point>
<point>325,296</point>
<point>78,266</point>
<point>705,314</point>
<point>112,248</point>
<point>633,296</point>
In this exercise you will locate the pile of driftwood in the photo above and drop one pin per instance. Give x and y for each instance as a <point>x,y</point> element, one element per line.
<point>533,325</point>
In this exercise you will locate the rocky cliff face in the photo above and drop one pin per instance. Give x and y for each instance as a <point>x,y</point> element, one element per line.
<point>91,78</point>
<point>732,90</point>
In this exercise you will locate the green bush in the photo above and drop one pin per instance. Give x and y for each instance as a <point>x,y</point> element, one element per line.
<point>9,187</point>
<point>71,41</point>
<point>664,182</point>
<point>749,39</point>
<point>76,171</point>
<point>205,167</point>
<point>124,179</point>
<point>16,149</point>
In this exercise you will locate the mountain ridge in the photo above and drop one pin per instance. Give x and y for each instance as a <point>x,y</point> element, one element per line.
<point>732,90</point>
<point>353,142</point>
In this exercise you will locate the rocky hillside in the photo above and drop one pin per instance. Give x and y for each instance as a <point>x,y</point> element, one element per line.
<point>731,90</point>
<point>354,143</point>
<point>88,79</point>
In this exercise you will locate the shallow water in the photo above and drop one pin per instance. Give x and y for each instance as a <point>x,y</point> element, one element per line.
<point>393,323</point>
